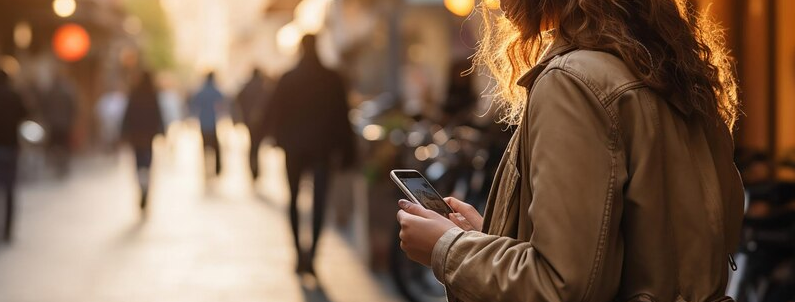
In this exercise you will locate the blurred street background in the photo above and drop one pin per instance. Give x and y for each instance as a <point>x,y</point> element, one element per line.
<point>142,163</point>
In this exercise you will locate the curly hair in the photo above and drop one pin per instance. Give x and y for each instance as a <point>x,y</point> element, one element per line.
<point>668,44</point>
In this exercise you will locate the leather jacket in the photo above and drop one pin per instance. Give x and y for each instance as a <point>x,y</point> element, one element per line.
<point>607,192</point>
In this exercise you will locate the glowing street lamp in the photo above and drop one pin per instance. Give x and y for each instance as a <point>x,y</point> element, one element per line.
<point>64,8</point>
<point>71,42</point>
<point>460,7</point>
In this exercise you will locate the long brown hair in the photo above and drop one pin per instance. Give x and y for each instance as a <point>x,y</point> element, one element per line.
<point>675,49</point>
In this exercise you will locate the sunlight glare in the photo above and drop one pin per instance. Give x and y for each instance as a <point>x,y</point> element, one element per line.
<point>310,15</point>
<point>288,38</point>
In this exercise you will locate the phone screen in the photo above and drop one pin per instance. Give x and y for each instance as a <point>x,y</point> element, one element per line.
<point>424,193</point>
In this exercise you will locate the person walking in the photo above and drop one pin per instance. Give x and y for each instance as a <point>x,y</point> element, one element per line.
<point>205,106</point>
<point>250,105</point>
<point>12,115</point>
<point>619,183</point>
<point>142,122</point>
<point>58,107</point>
<point>308,118</point>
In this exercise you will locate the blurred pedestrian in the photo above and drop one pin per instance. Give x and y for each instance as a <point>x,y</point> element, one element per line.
<point>308,117</point>
<point>110,114</point>
<point>11,117</point>
<point>142,122</point>
<point>58,109</point>
<point>205,106</point>
<point>249,108</point>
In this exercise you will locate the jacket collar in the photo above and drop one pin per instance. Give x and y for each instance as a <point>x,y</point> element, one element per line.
<point>558,47</point>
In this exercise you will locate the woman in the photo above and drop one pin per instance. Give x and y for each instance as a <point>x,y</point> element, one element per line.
<point>619,183</point>
<point>142,122</point>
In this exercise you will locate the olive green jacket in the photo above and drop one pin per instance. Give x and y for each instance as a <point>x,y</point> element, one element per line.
<point>606,193</point>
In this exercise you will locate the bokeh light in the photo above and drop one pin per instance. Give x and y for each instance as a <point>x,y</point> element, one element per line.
<point>373,132</point>
<point>460,7</point>
<point>32,132</point>
<point>64,8</point>
<point>10,65</point>
<point>71,42</point>
<point>421,153</point>
<point>23,35</point>
<point>433,150</point>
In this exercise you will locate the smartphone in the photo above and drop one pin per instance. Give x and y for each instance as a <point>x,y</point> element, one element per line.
<point>420,191</point>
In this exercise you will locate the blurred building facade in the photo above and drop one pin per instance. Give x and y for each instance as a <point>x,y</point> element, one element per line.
<point>28,50</point>
<point>759,33</point>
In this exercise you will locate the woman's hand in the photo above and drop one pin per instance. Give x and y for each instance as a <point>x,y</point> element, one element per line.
<point>419,230</point>
<point>466,216</point>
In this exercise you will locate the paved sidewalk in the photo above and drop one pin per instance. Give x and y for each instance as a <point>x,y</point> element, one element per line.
<point>84,240</point>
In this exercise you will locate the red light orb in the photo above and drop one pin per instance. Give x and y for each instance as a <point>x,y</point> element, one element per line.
<point>71,42</point>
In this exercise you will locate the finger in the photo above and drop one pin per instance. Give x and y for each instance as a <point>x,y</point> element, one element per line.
<point>459,206</point>
<point>454,203</point>
<point>406,219</point>
<point>415,209</point>
<point>401,217</point>
<point>461,221</point>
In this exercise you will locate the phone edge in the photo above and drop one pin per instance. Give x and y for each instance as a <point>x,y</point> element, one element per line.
<point>408,193</point>
<point>403,188</point>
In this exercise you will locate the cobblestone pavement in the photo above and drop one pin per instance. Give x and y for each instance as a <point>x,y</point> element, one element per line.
<point>84,239</point>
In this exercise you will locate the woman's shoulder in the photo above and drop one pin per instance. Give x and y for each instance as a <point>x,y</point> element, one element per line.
<point>604,73</point>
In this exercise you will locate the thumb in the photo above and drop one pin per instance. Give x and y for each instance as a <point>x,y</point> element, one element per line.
<point>413,208</point>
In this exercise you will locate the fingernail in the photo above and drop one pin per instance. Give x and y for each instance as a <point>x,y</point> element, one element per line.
<point>403,203</point>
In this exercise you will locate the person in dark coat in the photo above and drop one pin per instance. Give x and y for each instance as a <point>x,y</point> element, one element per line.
<point>250,105</point>
<point>308,118</point>
<point>59,108</point>
<point>205,106</point>
<point>12,115</point>
<point>142,122</point>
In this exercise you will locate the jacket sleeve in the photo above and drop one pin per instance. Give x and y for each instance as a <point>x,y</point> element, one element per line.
<point>575,250</point>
